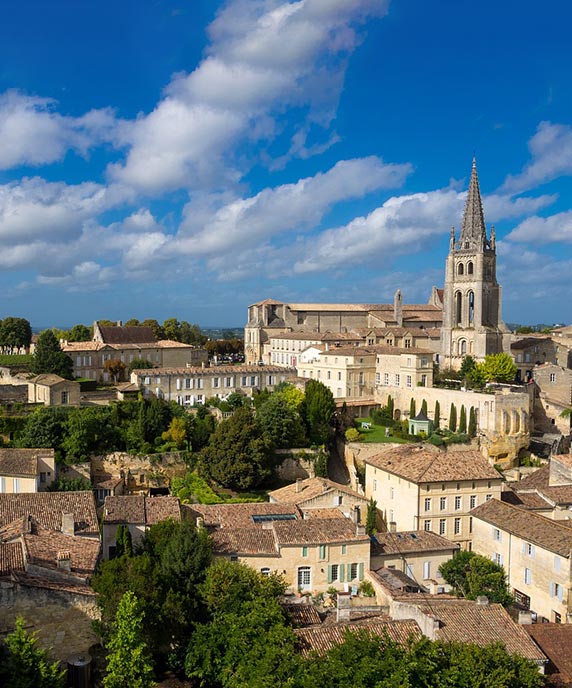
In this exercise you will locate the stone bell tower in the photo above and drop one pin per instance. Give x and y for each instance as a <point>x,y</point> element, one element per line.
<point>472,322</point>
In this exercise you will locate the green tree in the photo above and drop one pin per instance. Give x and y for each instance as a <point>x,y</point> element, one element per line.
<point>280,422</point>
<point>472,422</point>
<point>437,416</point>
<point>88,431</point>
<point>140,364</point>
<point>371,517</point>
<point>49,357</point>
<point>115,368</point>
<point>43,428</point>
<point>202,426</point>
<point>238,454</point>
<point>499,368</point>
<point>453,418</point>
<point>27,665</point>
<point>172,329</point>
<point>412,412</point>
<point>424,407</point>
<point>318,411</point>
<point>293,396</point>
<point>463,420</point>
<point>63,484</point>
<point>472,575</point>
<point>128,661</point>
<point>79,333</point>
<point>390,406</point>
<point>15,333</point>
<point>191,334</point>
<point>132,322</point>
<point>154,325</point>
<point>467,366</point>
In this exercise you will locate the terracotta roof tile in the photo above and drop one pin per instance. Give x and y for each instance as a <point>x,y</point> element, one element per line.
<point>317,531</point>
<point>11,558</point>
<point>528,525</point>
<point>322,638</point>
<point>215,370</point>
<point>237,515</point>
<point>410,541</point>
<point>463,621</point>
<point>421,464</point>
<point>304,490</point>
<point>43,546</point>
<point>47,509</point>
<point>555,640</point>
<point>22,462</point>
<point>539,481</point>
<point>140,509</point>
<point>253,540</point>
<point>127,335</point>
<point>302,615</point>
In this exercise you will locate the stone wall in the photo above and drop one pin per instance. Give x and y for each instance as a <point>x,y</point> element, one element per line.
<point>296,463</point>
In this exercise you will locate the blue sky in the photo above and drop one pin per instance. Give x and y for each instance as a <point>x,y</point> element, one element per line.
<point>170,158</point>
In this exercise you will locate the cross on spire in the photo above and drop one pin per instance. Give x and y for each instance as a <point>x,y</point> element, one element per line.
<point>473,228</point>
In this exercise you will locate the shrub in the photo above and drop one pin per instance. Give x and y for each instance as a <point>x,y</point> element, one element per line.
<point>352,435</point>
<point>366,589</point>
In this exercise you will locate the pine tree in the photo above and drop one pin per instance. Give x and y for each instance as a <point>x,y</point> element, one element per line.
<point>412,413</point>
<point>453,418</point>
<point>128,662</point>
<point>437,416</point>
<point>371,518</point>
<point>472,422</point>
<point>424,407</point>
<point>463,421</point>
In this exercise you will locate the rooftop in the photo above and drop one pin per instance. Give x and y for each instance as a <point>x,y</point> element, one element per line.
<point>303,490</point>
<point>126,335</point>
<point>539,483</point>
<point>410,541</point>
<point>527,525</point>
<point>22,462</point>
<point>47,509</point>
<point>317,531</point>
<point>423,464</point>
<point>215,370</point>
<point>237,515</point>
<point>555,640</point>
<point>140,509</point>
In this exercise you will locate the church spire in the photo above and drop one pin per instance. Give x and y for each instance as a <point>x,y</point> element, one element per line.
<point>473,229</point>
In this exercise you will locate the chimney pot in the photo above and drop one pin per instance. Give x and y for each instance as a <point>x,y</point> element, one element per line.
<point>482,600</point>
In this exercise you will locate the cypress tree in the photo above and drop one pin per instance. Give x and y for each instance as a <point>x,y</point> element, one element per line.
<point>371,518</point>
<point>390,406</point>
<point>412,408</point>
<point>424,407</point>
<point>472,422</point>
<point>437,416</point>
<point>127,542</point>
<point>453,418</point>
<point>120,541</point>
<point>463,420</point>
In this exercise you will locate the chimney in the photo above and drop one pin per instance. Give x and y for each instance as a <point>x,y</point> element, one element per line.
<point>360,530</point>
<point>298,485</point>
<point>119,323</point>
<point>524,618</point>
<point>343,610</point>
<point>68,524</point>
<point>63,559</point>
<point>483,601</point>
<point>355,514</point>
<point>392,526</point>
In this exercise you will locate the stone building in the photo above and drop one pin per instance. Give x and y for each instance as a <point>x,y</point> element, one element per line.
<point>472,321</point>
<point>190,386</point>
<point>53,390</point>
<point>554,395</point>
<point>536,350</point>
<point>425,488</point>
<point>26,470</point>
<point>535,553</point>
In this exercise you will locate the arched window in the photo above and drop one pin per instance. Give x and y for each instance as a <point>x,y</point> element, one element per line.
<point>471,307</point>
<point>515,422</point>
<point>460,269</point>
<point>470,268</point>
<point>462,347</point>
<point>458,308</point>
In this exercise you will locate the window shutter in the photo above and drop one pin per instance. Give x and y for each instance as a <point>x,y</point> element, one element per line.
<point>560,593</point>
<point>360,575</point>
<point>551,589</point>
<point>342,572</point>
<point>329,573</point>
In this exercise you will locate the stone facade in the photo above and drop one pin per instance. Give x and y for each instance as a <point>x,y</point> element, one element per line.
<point>532,351</point>
<point>554,385</point>
<point>190,386</point>
<point>53,390</point>
<point>535,553</point>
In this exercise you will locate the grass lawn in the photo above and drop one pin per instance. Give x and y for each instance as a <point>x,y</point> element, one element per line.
<point>376,433</point>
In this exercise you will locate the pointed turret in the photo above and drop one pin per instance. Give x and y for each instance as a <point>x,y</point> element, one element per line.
<point>473,230</point>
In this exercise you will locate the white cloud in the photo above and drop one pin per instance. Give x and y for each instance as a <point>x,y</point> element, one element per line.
<point>32,133</point>
<point>290,207</point>
<point>264,57</point>
<point>544,230</point>
<point>504,207</point>
<point>551,151</point>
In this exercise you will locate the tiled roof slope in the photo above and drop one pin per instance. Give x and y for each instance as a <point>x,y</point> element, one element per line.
<point>463,621</point>
<point>539,481</point>
<point>236,515</point>
<point>421,464</point>
<point>555,640</point>
<point>302,491</point>
<point>47,509</point>
<point>317,531</point>
<point>127,335</point>
<point>140,509</point>
<point>410,541</point>
<point>22,462</point>
<point>11,558</point>
<point>320,639</point>
<point>253,540</point>
<point>528,525</point>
